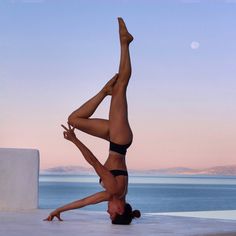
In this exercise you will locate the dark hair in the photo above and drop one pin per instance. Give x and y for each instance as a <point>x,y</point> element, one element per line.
<point>127,216</point>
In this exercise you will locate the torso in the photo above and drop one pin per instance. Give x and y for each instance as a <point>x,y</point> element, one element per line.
<point>116,161</point>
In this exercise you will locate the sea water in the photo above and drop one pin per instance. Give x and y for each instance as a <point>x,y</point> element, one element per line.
<point>146,193</point>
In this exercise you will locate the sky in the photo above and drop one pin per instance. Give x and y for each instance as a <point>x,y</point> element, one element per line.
<point>56,54</point>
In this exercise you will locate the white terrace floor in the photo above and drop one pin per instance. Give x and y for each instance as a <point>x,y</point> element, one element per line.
<point>81,222</point>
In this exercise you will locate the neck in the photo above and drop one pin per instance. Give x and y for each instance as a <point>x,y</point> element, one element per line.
<point>121,200</point>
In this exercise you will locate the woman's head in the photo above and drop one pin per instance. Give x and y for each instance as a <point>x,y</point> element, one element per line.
<point>115,206</point>
<point>126,217</point>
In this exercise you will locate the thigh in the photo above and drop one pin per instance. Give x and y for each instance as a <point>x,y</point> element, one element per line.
<point>120,131</point>
<point>93,126</point>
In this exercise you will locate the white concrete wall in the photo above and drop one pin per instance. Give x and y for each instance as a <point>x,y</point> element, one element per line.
<point>19,174</point>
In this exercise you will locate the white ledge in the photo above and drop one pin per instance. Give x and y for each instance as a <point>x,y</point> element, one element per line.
<point>19,171</point>
<point>224,215</point>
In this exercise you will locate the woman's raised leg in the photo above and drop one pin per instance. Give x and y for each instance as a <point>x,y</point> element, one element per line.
<point>80,117</point>
<point>120,131</point>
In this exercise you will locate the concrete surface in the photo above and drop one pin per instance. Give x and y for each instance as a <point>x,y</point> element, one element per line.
<point>19,172</point>
<point>226,215</point>
<point>81,222</point>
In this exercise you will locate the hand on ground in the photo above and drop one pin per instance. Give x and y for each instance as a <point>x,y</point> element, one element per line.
<point>52,215</point>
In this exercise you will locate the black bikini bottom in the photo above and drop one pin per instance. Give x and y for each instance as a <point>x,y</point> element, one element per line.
<point>117,173</point>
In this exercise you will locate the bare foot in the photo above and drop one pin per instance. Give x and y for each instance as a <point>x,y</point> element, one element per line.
<point>125,36</point>
<point>109,85</point>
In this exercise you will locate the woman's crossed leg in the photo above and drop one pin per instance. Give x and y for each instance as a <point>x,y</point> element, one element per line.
<point>117,128</point>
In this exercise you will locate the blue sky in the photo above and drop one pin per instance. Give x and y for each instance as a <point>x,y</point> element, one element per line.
<point>56,54</point>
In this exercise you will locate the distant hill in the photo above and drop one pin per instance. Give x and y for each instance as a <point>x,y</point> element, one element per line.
<point>217,170</point>
<point>78,170</point>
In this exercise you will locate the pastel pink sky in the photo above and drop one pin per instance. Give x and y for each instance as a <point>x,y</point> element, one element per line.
<point>182,100</point>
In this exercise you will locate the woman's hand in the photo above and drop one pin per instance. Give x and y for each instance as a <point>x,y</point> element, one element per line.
<point>53,214</point>
<point>69,134</point>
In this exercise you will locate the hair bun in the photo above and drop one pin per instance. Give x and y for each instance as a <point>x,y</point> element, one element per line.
<point>136,214</point>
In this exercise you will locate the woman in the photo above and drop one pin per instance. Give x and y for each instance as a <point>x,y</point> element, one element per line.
<point>113,174</point>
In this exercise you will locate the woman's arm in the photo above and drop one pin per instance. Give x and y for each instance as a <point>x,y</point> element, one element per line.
<point>90,200</point>
<point>88,155</point>
<point>93,199</point>
<point>106,176</point>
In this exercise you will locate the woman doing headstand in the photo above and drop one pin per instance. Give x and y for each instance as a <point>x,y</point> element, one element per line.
<point>113,174</point>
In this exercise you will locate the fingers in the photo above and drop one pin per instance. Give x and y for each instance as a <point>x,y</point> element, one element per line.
<point>65,135</point>
<point>50,218</point>
<point>64,128</point>
<point>71,127</point>
<point>69,132</point>
<point>59,218</point>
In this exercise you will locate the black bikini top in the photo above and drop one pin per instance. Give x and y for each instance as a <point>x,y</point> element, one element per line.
<point>119,148</point>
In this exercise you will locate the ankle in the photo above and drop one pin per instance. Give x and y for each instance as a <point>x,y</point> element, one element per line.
<point>124,44</point>
<point>103,93</point>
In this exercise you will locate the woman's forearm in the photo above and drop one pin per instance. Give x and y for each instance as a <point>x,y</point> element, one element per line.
<point>93,199</point>
<point>71,206</point>
<point>88,155</point>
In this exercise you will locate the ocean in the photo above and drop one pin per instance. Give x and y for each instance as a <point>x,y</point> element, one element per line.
<point>146,193</point>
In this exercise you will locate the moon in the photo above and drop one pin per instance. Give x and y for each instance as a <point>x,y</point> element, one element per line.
<point>195,45</point>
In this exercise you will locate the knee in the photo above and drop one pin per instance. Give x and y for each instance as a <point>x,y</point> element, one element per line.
<point>72,121</point>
